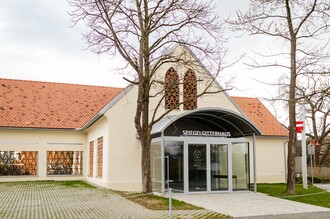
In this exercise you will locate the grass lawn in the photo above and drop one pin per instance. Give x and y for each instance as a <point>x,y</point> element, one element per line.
<point>155,202</point>
<point>77,183</point>
<point>312,195</point>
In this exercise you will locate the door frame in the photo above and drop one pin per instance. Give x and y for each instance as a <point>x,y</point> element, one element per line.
<point>207,141</point>
<point>186,166</point>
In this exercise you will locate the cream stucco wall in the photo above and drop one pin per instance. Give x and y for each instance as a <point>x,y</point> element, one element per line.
<point>43,141</point>
<point>124,148</point>
<point>99,129</point>
<point>204,79</point>
<point>269,158</point>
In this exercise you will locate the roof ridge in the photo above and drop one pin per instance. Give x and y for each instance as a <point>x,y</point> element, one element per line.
<point>59,83</point>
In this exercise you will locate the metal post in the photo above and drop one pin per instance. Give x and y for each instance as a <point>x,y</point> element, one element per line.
<point>254,164</point>
<point>168,171</point>
<point>170,203</point>
<point>303,149</point>
<point>314,163</point>
<point>163,163</point>
<point>312,169</point>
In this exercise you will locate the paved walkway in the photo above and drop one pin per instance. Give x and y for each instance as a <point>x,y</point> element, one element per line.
<point>309,215</point>
<point>30,200</point>
<point>245,204</point>
<point>326,187</point>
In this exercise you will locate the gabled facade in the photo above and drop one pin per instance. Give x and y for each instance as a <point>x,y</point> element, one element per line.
<point>52,131</point>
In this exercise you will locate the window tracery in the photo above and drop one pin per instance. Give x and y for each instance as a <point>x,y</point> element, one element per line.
<point>171,89</point>
<point>189,90</point>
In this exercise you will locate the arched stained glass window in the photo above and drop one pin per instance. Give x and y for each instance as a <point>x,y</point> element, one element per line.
<point>189,90</point>
<point>171,89</point>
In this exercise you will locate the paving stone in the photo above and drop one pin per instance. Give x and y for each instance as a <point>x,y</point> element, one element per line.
<point>30,200</point>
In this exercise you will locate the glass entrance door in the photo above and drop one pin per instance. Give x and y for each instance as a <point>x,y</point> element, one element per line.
<point>241,169</point>
<point>174,167</point>
<point>219,167</point>
<point>197,167</point>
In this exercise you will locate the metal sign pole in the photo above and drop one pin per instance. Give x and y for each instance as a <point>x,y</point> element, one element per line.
<point>303,149</point>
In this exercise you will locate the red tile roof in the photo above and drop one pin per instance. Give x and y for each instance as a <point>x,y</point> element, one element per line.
<point>32,104</point>
<point>260,116</point>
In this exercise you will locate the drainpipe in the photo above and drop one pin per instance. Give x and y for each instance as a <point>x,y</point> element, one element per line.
<point>254,164</point>
<point>285,161</point>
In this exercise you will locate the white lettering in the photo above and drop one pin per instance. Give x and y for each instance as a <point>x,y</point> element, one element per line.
<point>205,133</point>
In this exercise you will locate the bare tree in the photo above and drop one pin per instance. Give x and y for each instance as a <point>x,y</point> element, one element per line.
<point>313,93</point>
<point>323,152</point>
<point>140,31</point>
<point>302,25</point>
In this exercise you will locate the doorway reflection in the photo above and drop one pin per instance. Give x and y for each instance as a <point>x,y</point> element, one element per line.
<point>197,167</point>
<point>174,176</point>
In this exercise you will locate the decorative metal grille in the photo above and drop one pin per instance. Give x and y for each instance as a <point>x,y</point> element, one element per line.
<point>171,89</point>
<point>64,162</point>
<point>99,156</point>
<point>91,157</point>
<point>17,163</point>
<point>189,90</point>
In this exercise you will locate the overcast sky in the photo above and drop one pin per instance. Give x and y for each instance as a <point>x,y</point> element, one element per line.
<point>37,42</point>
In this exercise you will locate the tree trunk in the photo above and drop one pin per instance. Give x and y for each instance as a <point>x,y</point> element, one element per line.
<point>144,131</point>
<point>324,156</point>
<point>290,186</point>
<point>290,189</point>
<point>146,136</point>
<point>145,164</point>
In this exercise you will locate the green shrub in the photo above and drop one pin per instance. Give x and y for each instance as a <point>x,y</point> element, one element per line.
<point>316,179</point>
<point>298,180</point>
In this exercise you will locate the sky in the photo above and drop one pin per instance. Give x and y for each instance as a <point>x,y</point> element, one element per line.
<point>38,42</point>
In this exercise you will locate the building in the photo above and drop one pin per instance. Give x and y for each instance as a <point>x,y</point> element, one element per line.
<point>53,131</point>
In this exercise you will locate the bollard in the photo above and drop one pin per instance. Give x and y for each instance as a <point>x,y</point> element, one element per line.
<point>170,203</point>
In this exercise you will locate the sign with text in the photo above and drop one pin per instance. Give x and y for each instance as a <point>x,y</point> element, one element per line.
<point>205,133</point>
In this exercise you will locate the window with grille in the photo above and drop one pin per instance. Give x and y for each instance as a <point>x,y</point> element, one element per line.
<point>189,91</point>
<point>99,156</point>
<point>91,158</point>
<point>171,89</point>
<point>65,163</point>
<point>18,163</point>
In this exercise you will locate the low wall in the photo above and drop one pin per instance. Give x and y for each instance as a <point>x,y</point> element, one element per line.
<point>322,172</point>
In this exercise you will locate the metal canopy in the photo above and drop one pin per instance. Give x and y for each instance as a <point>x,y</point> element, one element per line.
<point>206,119</point>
